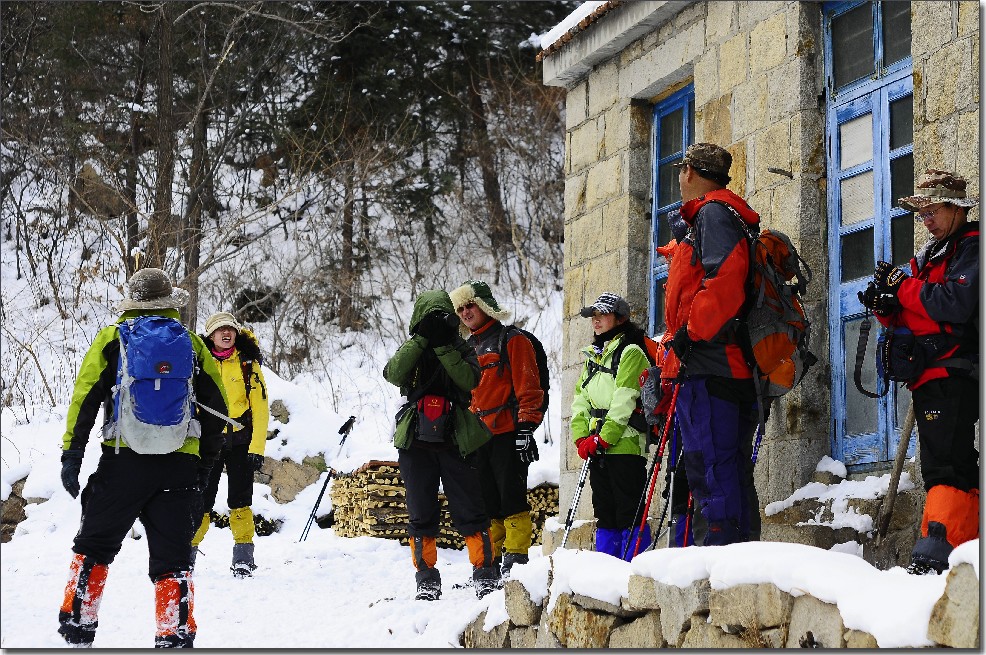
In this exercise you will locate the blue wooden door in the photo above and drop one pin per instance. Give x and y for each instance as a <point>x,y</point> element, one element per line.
<point>870,165</point>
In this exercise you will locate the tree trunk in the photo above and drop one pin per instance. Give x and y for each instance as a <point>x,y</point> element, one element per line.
<point>132,224</point>
<point>499,230</point>
<point>346,276</point>
<point>192,242</point>
<point>161,232</point>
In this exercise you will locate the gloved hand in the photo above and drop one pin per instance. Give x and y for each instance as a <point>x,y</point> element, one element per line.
<point>888,277</point>
<point>439,328</point>
<point>202,477</point>
<point>681,344</point>
<point>591,446</point>
<point>255,461</point>
<point>526,445</point>
<point>882,304</point>
<point>71,465</point>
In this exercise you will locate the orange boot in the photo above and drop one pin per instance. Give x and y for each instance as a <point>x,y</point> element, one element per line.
<point>485,576</point>
<point>424,554</point>
<point>80,606</point>
<point>951,518</point>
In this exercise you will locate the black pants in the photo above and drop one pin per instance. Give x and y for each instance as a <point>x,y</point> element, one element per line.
<point>157,489</point>
<point>239,478</point>
<point>503,477</point>
<point>617,483</point>
<point>946,411</point>
<point>421,469</point>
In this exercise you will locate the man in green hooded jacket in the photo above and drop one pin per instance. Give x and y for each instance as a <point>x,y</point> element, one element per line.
<point>435,435</point>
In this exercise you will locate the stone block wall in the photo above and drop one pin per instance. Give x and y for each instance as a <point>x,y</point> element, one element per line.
<point>659,615</point>
<point>945,59</point>
<point>757,73</point>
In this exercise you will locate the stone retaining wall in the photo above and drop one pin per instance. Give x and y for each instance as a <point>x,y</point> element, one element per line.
<point>658,615</point>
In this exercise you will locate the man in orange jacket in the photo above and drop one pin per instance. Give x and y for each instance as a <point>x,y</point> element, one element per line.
<point>509,401</point>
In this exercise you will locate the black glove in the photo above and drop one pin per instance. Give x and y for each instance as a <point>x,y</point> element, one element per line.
<point>681,344</point>
<point>439,328</point>
<point>888,277</point>
<point>882,304</point>
<point>255,461</point>
<point>71,465</point>
<point>202,477</point>
<point>527,447</point>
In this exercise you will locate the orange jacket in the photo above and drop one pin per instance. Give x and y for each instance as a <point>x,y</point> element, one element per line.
<point>511,395</point>
<point>706,285</point>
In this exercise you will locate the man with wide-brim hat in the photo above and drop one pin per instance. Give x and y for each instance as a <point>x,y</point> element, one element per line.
<point>939,304</point>
<point>138,475</point>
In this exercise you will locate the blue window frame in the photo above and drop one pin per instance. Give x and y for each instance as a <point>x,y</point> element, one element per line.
<point>869,120</point>
<point>673,131</point>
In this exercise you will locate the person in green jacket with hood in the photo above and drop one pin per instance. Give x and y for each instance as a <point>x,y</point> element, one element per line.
<point>435,436</point>
<point>130,482</point>
<point>605,399</point>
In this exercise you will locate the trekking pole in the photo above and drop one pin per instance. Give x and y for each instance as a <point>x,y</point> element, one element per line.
<point>657,469</point>
<point>575,501</point>
<point>640,503</point>
<point>344,431</point>
<point>887,507</point>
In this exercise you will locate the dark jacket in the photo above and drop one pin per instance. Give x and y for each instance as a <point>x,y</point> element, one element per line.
<point>451,371</point>
<point>942,297</point>
<point>97,376</point>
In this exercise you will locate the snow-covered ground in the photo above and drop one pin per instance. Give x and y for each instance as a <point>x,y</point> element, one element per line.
<point>334,592</point>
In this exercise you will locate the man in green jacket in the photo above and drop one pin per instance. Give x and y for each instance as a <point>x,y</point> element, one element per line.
<point>136,477</point>
<point>436,433</point>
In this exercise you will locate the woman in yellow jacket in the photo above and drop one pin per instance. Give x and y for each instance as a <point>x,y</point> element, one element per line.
<point>238,355</point>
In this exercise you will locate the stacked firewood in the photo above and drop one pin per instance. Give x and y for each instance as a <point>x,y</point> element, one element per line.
<point>370,502</point>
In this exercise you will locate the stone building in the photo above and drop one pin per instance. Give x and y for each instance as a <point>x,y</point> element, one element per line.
<point>830,111</point>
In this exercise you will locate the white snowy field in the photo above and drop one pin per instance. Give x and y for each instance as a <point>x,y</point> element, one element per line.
<point>332,592</point>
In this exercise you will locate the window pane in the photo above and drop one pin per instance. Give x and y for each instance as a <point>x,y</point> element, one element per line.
<point>896,31</point>
<point>856,141</point>
<point>668,185</point>
<point>664,230</point>
<point>902,239</point>
<point>672,133</point>
<point>901,178</point>
<point>852,45</point>
<point>901,122</point>
<point>861,412</point>
<point>857,255</point>
<point>659,325</point>
<point>857,198</point>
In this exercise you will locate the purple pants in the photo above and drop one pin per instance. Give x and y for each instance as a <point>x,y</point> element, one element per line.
<point>718,444</point>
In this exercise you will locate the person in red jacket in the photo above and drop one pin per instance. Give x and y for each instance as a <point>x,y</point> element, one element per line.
<point>508,399</point>
<point>716,409</point>
<point>939,304</point>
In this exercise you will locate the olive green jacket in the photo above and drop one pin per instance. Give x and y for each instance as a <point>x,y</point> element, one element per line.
<point>451,371</point>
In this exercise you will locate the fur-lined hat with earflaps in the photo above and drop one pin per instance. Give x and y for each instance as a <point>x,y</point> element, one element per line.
<point>479,293</point>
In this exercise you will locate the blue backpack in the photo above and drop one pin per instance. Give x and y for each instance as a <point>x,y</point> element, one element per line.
<point>153,396</point>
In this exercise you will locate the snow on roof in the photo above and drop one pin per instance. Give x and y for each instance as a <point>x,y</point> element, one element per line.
<point>586,14</point>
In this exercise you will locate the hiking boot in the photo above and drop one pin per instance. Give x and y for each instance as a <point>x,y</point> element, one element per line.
<point>429,583</point>
<point>931,552</point>
<point>486,579</point>
<point>917,568</point>
<point>243,564</point>
<point>509,559</point>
